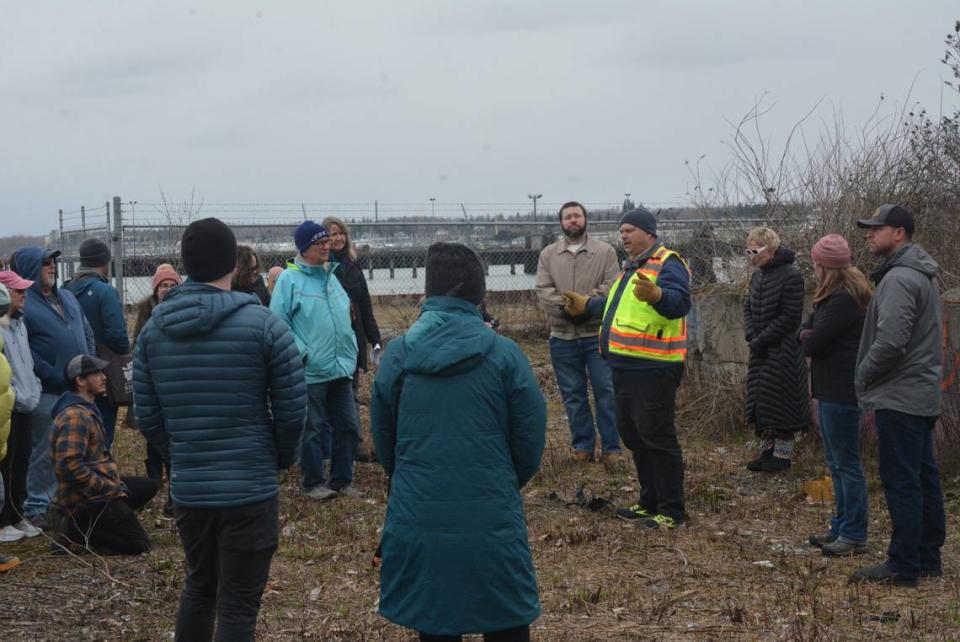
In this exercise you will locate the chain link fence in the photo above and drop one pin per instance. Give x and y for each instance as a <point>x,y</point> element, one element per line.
<point>392,239</point>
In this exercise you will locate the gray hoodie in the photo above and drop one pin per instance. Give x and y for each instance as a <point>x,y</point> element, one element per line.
<point>899,363</point>
<point>16,347</point>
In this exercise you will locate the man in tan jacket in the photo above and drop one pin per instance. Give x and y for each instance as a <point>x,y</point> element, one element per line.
<point>578,263</point>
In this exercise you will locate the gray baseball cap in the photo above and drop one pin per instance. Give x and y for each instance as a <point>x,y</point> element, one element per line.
<point>889,216</point>
<point>84,364</point>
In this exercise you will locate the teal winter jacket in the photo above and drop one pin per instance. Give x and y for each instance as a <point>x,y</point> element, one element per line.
<point>218,387</point>
<point>458,422</point>
<point>101,305</point>
<point>317,309</point>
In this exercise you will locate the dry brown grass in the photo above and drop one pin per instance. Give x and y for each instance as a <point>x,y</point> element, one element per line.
<point>600,578</point>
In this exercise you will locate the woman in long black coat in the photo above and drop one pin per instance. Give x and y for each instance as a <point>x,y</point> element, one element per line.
<point>365,327</point>
<point>778,403</point>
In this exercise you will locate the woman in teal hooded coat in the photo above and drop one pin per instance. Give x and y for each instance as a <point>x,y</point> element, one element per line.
<point>458,422</point>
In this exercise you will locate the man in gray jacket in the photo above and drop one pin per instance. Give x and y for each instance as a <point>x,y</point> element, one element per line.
<point>580,264</point>
<point>899,366</point>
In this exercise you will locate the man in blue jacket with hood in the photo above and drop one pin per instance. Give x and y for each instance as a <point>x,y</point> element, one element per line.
<point>219,391</point>
<point>58,331</point>
<point>104,311</point>
<point>317,309</point>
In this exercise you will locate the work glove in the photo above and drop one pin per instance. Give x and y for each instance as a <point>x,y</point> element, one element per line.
<point>575,304</point>
<point>375,354</point>
<point>647,291</point>
<point>577,320</point>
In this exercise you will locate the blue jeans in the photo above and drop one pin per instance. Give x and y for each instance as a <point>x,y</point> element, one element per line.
<point>573,361</point>
<point>41,480</point>
<point>840,429</point>
<point>911,483</point>
<point>332,432</point>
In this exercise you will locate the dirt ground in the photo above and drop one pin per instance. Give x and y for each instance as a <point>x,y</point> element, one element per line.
<point>741,569</point>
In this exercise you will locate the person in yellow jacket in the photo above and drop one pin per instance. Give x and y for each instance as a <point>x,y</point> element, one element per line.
<point>643,337</point>
<point>7,399</point>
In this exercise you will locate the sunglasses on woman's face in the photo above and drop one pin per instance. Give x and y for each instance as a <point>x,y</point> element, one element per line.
<point>751,251</point>
<point>49,262</point>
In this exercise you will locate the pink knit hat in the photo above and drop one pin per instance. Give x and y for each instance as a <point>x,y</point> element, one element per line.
<point>165,274</point>
<point>832,251</point>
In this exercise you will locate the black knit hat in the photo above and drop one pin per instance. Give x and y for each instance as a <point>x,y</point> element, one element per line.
<point>208,249</point>
<point>642,218</point>
<point>94,253</point>
<point>455,270</point>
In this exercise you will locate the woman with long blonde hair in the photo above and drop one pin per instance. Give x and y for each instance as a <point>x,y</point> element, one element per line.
<point>778,404</point>
<point>831,337</point>
<point>350,273</point>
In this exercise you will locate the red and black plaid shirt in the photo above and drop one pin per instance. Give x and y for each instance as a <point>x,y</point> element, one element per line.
<point>85,470</point>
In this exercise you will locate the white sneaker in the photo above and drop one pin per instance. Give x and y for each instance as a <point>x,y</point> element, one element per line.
<point>349,491</point>
<point>11,534</point>
<point>27,528</point>
<point>321,493</point>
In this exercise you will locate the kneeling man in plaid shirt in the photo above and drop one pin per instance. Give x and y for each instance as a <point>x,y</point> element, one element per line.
<point>97,505</point>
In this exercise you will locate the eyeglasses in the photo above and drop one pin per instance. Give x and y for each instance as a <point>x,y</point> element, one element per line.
<point>754,251</point>
<point>49,262</point>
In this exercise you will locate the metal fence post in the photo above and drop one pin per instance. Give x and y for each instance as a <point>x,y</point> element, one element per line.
<point>117,249</point>
<point>63,269</point>
<point>108,234</point>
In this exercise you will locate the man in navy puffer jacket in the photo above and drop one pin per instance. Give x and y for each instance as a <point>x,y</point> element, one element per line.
<point>219,390</point>
<point>58,331</point>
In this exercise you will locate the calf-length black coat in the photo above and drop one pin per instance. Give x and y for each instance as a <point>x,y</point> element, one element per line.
<point>350,274</point>
<point>777,395</point>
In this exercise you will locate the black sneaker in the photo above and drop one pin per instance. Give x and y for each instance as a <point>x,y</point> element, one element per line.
<point>757,463</point>
<point>881,573</point>
<point>819,539</point>
<point>633,512</point>
<point>774,465</point>
<point>840,548</point>
<point>662,521</point>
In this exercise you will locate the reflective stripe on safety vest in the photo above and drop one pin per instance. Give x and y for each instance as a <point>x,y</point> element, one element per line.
<point>638,330</point>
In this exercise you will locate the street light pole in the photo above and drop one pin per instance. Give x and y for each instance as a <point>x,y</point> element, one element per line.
<point>534,198</point>
<point>133,221</point>
<point>433,207</point>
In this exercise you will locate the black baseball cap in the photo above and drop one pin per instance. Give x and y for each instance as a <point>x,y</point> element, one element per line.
<point>84,364</point>
<point>889,216</point>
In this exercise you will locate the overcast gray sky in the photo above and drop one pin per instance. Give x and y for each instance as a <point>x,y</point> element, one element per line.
<point>475,101</point>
